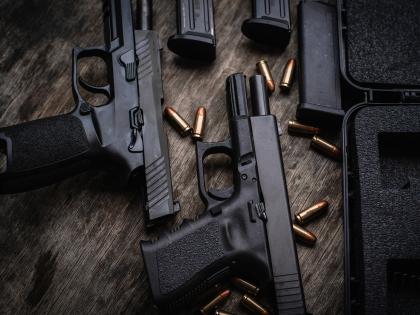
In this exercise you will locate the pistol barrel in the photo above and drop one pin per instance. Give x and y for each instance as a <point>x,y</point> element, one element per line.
<point>236,95</point>
<point>259,97</point>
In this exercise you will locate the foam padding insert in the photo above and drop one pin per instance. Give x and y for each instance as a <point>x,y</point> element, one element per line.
<point>383,41</point>
<point>386,218</point>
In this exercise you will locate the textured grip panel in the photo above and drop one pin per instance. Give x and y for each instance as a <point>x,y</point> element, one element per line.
<point>45,142</point>
<point>187,256</point>
<point>289,294</point>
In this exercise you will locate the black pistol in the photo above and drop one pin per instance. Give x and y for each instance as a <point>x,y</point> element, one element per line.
<point>124,136</point>
<point>245,231</point>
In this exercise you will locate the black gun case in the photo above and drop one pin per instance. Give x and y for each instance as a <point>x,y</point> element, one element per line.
<point>360,68</point>
<point>378,50</point>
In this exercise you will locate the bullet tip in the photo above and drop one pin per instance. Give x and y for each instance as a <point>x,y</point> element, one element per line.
<point>225,293</point>
<point>271,87</point>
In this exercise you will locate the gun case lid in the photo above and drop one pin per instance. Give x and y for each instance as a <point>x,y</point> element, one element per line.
<point>379,44</point>
<point>354,49</point>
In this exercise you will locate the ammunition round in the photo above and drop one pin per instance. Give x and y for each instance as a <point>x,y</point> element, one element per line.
<point>221,297</point>
<point>304,235</point>
<point>298,128</point>
<point>177,121</point>
<point>199,124</point>
<point>263,69</point>
<point>326,147</point>
<point>253,306</point>
<point>288,76</point>
<point>245,286</point>
<point>220,312</point>
<point>312,212</point>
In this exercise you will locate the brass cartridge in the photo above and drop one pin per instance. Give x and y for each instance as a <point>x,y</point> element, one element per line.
<point>177,121</point>
<point>199,124</point>
<point>253,306</point>
<point>245,286</point>
<point>220,298</point>
<point>312,212</point>
<point>288,76</point>
<point>298,128</point>
<point>304,235</point>
<point>263,69</point>
<point>221,312</point>
<point>326,147</point>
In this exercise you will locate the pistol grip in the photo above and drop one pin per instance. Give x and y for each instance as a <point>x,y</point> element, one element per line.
<point>43,151</point>
<point>203,253</point>
<point>203,149</point>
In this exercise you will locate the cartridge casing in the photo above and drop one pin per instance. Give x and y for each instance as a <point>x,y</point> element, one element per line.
<point>221,312</point>
<point>177,121</point>
<point>326,147</point>
<point>220,298</point>
<point>263,69</point>
<point>295,127</point>
<point>253,306</point>
<point>312,212</point>
<point>304,235</point>
<point>199,124</point>
<point>288,76</point>
<point>245,286</point>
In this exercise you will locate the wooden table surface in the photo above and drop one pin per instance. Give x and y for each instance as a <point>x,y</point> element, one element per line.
<point>73,247</point>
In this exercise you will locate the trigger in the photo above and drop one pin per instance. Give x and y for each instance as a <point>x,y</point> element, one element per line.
<point>221,194</point>
<point>105,90</point>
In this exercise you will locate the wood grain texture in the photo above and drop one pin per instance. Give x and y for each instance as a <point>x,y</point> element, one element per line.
<point>73,247</point>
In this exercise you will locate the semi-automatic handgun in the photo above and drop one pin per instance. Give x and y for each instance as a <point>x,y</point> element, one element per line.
<point>246,231</point>
<point>124,136</point>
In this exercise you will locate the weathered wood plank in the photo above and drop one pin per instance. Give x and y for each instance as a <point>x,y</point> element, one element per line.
<point>73,247</point>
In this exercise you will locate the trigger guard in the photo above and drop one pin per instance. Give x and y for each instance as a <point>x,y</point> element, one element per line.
<point>105,90</point>
<point>212,197</point>
<point>98,51</point>
<point>205,149</point>
<point>80,53</point>
<point>221,194</point>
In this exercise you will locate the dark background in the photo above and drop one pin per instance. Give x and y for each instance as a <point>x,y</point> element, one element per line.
<point>73,247</point>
